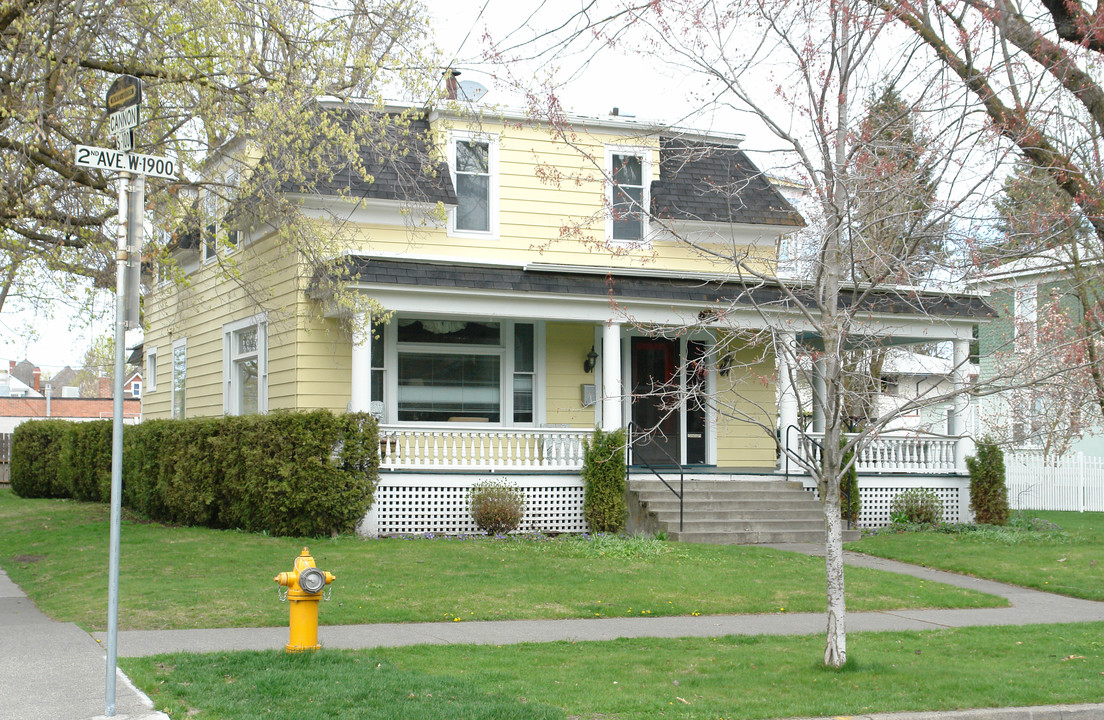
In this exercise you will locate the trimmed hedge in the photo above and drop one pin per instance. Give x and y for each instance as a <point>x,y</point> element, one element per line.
<point>85,460</point>
<point>36,459</point>
<point>285,473</point>
<point>604,481</point>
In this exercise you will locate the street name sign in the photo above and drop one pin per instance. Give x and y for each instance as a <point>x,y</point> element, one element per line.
<point>107,159</point>
<point>122,120</point>
<point>124,141</point>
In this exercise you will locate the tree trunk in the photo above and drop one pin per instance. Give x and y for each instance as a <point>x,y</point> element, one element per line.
<point>835,649</point>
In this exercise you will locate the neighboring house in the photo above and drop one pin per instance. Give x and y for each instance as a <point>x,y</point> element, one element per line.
<point>908,377</point>
<point>1050,405</point>
<point>19,402</point>
<point>545,304</point>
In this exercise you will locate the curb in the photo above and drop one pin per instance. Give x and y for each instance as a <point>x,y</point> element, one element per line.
<point>1038,712</point>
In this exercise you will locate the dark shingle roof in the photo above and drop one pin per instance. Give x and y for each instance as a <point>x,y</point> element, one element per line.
<point>716,183</point>
<point>708,293</point>
<point>399,167</point>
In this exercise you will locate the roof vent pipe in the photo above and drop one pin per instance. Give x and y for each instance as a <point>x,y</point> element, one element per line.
<point>452,85</point>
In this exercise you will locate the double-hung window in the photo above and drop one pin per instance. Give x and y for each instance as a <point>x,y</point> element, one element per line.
<point>179,377</point>
<point>217,200</point>
<point>473,160</point>
<point>245,376</point>
<point>466,371</point>
<point>151,369</point>
<point>629,173</point>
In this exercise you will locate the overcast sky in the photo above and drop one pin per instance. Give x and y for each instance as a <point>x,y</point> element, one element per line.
<point>591,84</point>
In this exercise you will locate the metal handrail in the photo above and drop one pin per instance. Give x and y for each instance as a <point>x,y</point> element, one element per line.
<point>805,437</point>
<point>681,491</point>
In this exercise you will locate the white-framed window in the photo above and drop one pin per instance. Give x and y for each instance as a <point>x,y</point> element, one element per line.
<point>151,368</point>
<point>456,370</point>
<point>473,162</point>
<point>245,366</point>
<point>136,389</point>
<point>1025,316</point>
<point>629,177</point>
<point>179,377</point>
<point>217,232</point>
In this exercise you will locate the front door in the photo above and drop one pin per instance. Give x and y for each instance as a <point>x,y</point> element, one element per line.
<point>655,401</point>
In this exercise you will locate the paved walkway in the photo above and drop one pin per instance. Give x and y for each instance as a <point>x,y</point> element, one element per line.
<point>54,670</point>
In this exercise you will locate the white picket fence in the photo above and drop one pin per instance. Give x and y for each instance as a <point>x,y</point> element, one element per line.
<point>1068,482</point>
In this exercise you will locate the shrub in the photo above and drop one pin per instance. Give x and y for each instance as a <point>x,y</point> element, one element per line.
<point>36,459</point>
<point>916,506</point>
<point>496,506</point>
<point>850,503</point>
<point>988,494</point>
<point>285,473</point>
<point>604,481</point>
<point>85,461</point>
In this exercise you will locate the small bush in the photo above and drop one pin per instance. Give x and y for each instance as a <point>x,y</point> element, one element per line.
<point>850,503</point>
<point>916,506</point>
<point>988,493</point>
<point>496,506</point>
<point>604,480</point>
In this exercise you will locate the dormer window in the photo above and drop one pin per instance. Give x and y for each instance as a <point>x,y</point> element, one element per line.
<point>473,160</point>
<point>628,171</point>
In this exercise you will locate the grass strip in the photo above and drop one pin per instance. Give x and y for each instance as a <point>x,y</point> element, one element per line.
<point>1068,560</point>
<point>709,678</point>
<point>57,552</point>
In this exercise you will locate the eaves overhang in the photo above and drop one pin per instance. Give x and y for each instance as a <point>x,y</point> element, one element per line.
<point>454,288</point>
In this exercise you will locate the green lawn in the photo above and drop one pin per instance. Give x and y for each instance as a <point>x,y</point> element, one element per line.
<point>706,678</point>
<point>174,577</point>
<point>1069,562</point>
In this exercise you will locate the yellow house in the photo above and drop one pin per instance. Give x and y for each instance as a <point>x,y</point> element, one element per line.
<point>538,284</point>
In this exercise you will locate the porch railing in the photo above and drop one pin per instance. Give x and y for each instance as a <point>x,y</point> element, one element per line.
<point>917,454</point>
<point>463,448</point>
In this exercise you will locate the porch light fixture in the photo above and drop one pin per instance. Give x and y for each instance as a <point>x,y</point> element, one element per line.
<point>591,359</point>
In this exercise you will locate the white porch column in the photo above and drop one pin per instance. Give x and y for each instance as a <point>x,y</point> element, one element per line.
<point>787,392</point>
<point>361,392</point>
<point>611,376</point>
<point>820,390</point>
<point>964,444</point>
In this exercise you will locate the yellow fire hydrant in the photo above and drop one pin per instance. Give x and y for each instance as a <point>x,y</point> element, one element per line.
<point>304,589</point>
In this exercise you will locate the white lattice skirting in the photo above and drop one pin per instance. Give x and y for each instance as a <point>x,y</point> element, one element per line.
<point>877,493</point>
<point>415,504</point>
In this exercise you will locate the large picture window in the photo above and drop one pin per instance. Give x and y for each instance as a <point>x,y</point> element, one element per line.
<point>465,371</point>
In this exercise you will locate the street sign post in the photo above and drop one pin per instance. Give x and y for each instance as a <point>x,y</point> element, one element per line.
<point>122,101</point>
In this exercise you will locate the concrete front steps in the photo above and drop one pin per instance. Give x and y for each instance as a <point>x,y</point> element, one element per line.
<point>729,510</point>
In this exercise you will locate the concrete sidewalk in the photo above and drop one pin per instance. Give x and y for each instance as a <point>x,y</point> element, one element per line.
<point>55,670</point>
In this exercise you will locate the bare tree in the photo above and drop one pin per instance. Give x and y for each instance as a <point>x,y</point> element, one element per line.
<point>214,73</point>
<point>1033,71</point>
<point>803,71</point>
